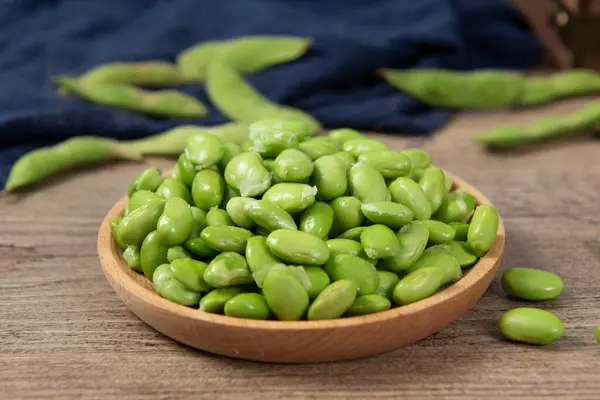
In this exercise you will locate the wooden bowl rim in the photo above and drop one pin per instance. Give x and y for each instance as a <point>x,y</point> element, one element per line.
<point>113,265</point>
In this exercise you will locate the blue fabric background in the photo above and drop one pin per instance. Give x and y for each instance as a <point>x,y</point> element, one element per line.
<point>335,82</point>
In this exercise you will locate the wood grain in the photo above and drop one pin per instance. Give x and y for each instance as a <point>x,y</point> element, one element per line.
<point>65,334</point>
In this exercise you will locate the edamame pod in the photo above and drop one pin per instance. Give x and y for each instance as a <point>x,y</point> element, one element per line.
<point>441,258</point>
<point>153,253</point>
<point>190,273</point>
<point>357,147</point>
<point>227,269</point>
<point>298,247</point>
<point>387,282</point>
<point>172,188</point>
<point>433,183</point>
<point>355,269</point>
<point>368,304</point>
<point>367,184</point>
<point>246,173</point>
<point>439,232</point>
<point>329,177</point>
<point>132,256</point>
<point>418,285</point>
<point>272,136</point>
<point>236,208</point>
<point>140,222</point>
<point>388,213</point>
<point>318,278</point>
<point>333,301</point>
<point>286,296</point>
<point>379,241</point>
<point>292,165</point>
<point>176,253</point>
<point>413,239</point>
<point>216,216</point>
<point>207,189</point>
<point>226,238</point>
<point>531,325</point>
<point>145,74</point>
<point>391,164</point>
<point>482,229</point>
<point>408,193</point>
<point>247,305</point>
<point>291,197</point>
<point>258,254</point>
<point>317,220</point>
<point>215,300</point>
<point>171,289</point>
<point>532,284</point>
<point>270,216</point>
<point>347,214</point>
<point>175,224</point>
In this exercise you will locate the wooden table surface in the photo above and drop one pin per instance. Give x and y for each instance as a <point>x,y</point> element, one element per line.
<point>65,334</point>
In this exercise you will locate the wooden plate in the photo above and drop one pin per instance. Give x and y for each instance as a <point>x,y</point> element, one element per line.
<point>297,341</point>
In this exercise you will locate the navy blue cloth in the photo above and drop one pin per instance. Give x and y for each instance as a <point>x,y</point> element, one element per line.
<point>335,81</point>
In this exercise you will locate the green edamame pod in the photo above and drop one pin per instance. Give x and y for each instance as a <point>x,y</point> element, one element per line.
<point>391,164</point>
<point>216,216</point>
<point>355,269</point>
<point>292,165</point>
<point>298,247</point>
<point>291,197</point>
<point>141,197</point>
<point>145,74</point>
<point>270,216</point>
<point>358,147</point>
<point>215,300</point>
<point>318,278</point>
<point>317,220</point>
<point>175,224</point>
<point>367,184</point>
<point>532,284</point>
<point>347,213</point>
<point>439,232</point>
<point>419,158</point>
<point>531,325</point>
<point>132,256</point>
<point>137,224</point>
<point>176,253</point>
<point>368,304</point>
<point>204,150</point>
<point>543,89</point>
<point>247,305</point>
<point>353,233</point>
<point>482,229</point>
<point>246,173</point>
<point>258,254</point>
<point>454,208</point>
<point>346,246</point>
<point>171,289</point>
<point>286,296</point>
<point>343,135</point>
<point>227,269</point>
<point>387,282</point>
<point>346,158</point>
<point>413,239</point>
<point>433,183</point>
<point>462,253</point>
<point>333,301</point>
<point>461,231</point>
<point>153,253</point>
<point>329,177</point>
<point>226,238</point>
<point>207,189</point>
<point>409,193</point>
<point>114,224</point>
<point>441,258</point>
<point>418,285</point>
<point>272,136</point>
<point>388,213</point>
<point>172,188</point>
<point>190,273</point>
<point>318,147</point>
<point>198,247</point>
<point>379,241</point>
<point>236,208</point>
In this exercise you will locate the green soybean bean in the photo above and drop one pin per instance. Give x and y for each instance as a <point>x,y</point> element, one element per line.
<point>230,150</point>
<point>153,253</point>
<point>137,224</point>
<point>270,216</point>
<point>355,269</point>
<point>367,184</point>
<point>246,173</point>
<point>198,222</point>
<point>433,183</point>
<point>207,189</point>
<point>442,258</point>
<point>272,136</point>
<point>227,269</point>
<point>439,232</point>
<point>236,208</point>
<point>291,197</point>
<point>346,158</point>
<point>258,254</point>
<point>226,238</point>
<point>343,135</point>
<point>141,197</point>
<point>368,304</point>
<point>292,165</point>
<point>319,280</point>
<point>416,174</point>
<point>318,147</point>
<point>379,241</point>
<point>448,183</point>
<point>286,296</point>
<point>175,224</point>
<point>114,225</point>
<point>298,247</point>
<point>413,239</point>
<point>388,213</point>
<point>329,177</point>
<point>247,105</point>
<point>346,246</point>
<point>387,282</point>
<point>161,103</point>
<point>357,147</point>
<point>204,150</point>
<point>190,273</point>
<point>262,231</point>
<point>247,305</point>
<point>462,253</point>
<point>531,325</point>
<point>216,216</point>
<point>482,229</point>
<point>409,193</point>
<point>132,187</point>
<point>149,179</point>
<point>317,220</point>
<point>598,333</point>
<point>347,213</point>
<point>132,256</point>
<point>228,194</point>
<point>461,231</point>
<point>391,164</point>
<point>454,208</point>
<point>215,300</point>
<point>418,285</point>
<point>532,284</point>
<point>246,54</point>
<point>246,146</point>
<point>200,248</point>
<point>470,200</point>
<point>176,253</point>
<point>185,169</point>
<point>352,233</point>
<point>419,158</point>
<point>39,164</point>
<point>333,301</point>
<point>296,271</point>
<point>172,188</point>
<point>145,74</point>
<point>171,289</point>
